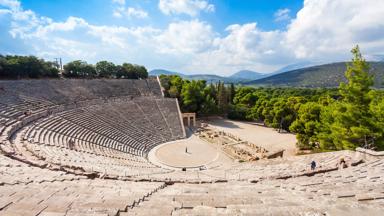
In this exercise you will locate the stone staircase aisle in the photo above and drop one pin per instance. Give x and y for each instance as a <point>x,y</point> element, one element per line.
<point>149,204</point>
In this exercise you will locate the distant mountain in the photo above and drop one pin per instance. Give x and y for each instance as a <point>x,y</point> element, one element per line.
<point>294,67</point>
<point>327,75</point>
<point>246,75</point>
<point>210,78</point>
<point>158,72</point>
<point>241,76</point>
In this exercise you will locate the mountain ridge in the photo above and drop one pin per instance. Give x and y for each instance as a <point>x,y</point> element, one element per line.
<point>240,76</point>
<point>325,75</point>
<point>248,75</point>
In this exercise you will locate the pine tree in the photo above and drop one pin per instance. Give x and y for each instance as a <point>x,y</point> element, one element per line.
<point>352,124</point>
<point>307,124</point>
<point>232,93</point>
<point>222,98</point>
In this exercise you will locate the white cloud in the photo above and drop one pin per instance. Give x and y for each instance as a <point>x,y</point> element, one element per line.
<point>120,2</point>
<point>130,12</point>
<point>4,11</point>
<point>12,4</point>
<point>75,38</point>
<point>322,31</point>
<point>244,47</point>
<point>190,7</point>
<point>185,37</point>
<point>282,15</point>
<point>328,29</point>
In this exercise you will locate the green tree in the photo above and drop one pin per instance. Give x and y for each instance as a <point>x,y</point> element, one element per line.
<point>209,106</point>
<point>192,95</point>
<point>222,98</point>
<point>232,93</point>
<point>79,69</point>
<point>132,71</point>
<point>352,123</point>
<point>245,96</point>
<point>141,71</point>
<point>17,67</point>
<point>238,112</point>
<point>129,71</point>
<point>105,69</point>
<point>120,71</point>
<point>377,110</point>
<point>307,125</point>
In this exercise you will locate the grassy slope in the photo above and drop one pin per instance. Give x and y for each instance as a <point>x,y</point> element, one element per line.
<point>328,75</point>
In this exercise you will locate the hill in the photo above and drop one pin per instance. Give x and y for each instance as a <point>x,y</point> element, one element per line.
<point>208,77</point>
<point>295,66</point>
<point>211,78</point>
<point>158,72</point>
<point>241,76</point>
<point>327,75</point>
<point>247,75</point>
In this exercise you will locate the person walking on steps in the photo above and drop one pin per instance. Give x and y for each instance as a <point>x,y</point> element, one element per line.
<point>313,165</point>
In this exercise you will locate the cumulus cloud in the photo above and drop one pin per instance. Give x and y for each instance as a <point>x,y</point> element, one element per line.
<point>328,29</point>
<point>12,4</point>
<point>322,31</point>
<point>282,15</point>
<point>244,46</point>
<point>190,7</point>
<point>75,38</point>
<point>185,37</point>
<point>120,2</point>
<point>130,12</point>
<point>122,11</point>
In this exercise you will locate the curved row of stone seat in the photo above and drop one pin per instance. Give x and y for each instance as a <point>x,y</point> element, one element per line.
<point>13,107</point>
<point>360,183</point>
<point>356,190</point>
<point>130,117</point>
<point>172,116</point>
<point>61,91</point>
<point>89,163</point>
<point>97,129</point>
<point>120,126</point>
<point>60,139</point>
<point>65,195</point>
<point>95,124</point>
<point>81,145</point>
<point>154,86</point>
<point>263,169</point>
<point>88,160</point>
<point>20,98</point>
<point>61,132</point>
<point>290,166</point>
<point>14,172</point>
<point>279,168</point>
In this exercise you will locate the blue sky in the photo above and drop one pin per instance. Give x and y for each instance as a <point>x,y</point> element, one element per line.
<point>226,13</point>
<point>194,36</point>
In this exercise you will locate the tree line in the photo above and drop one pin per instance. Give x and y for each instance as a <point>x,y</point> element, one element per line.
<point>24,67</point>
<point>323,119</point>
<point>19,67</point>
<point>198,96</point>
<point>104,69</point>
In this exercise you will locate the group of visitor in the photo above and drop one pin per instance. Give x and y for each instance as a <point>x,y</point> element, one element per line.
<point>341,164</point>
